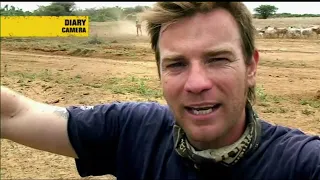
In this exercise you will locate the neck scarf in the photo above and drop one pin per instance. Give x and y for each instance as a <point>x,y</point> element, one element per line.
<point>228,155</point>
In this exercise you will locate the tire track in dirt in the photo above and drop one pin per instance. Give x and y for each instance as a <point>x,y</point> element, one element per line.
<point>75,58</point>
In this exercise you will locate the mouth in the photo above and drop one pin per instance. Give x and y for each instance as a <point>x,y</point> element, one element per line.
<point>202,110</point>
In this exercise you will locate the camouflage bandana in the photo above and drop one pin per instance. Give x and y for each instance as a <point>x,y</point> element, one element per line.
<point>228,155</point>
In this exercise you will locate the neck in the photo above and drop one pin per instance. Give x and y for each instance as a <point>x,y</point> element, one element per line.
<point>229,137</point>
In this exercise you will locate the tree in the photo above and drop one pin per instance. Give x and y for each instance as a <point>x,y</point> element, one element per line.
<point>13,11</point>
<point>265,11</point>
<point>69,7</point>
<point>56,9</point>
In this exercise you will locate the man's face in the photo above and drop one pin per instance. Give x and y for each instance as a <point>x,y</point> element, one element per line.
<point>204,77</point>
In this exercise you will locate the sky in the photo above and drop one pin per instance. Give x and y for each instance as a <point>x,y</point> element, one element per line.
<point>284,7</point>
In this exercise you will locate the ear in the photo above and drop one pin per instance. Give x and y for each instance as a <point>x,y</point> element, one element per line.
<point>252,68</point>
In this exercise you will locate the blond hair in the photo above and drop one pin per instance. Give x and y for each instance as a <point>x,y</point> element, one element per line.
<point>167,12</point>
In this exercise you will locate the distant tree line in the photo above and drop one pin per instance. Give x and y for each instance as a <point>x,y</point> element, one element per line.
<point>69,9</point>
<point>269,11</point>
<point>283,15</point>
<point>118,13</point>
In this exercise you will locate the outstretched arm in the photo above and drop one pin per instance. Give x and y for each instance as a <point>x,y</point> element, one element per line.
<point>34,124</point>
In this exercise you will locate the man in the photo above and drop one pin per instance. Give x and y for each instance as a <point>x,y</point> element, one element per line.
<point>138,26</point>
<point>207,63</point>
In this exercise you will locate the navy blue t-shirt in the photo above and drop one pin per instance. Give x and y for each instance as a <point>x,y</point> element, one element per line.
<point>133,140</point>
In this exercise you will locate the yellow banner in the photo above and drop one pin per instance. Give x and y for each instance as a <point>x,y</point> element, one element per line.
<point>44,26</point>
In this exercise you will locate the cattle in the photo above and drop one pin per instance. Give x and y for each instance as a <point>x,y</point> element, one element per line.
<point>290,32</point>
<point>270,31</point>
<point>259,32</point>
<point>293,32</point>
<point>281,31</point>
<point>306,32</point>
<point>316,30</point>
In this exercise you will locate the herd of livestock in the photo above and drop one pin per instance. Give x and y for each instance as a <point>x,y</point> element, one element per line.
<point>289,32</point>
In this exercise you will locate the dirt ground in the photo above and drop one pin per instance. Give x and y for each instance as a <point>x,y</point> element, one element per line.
<point>114,64</point>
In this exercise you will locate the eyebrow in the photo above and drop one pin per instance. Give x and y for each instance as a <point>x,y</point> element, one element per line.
<point>209,52</point>
<point>173,57</point>
<point>219,51</point>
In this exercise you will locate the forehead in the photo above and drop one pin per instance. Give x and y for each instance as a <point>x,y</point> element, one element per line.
<point>214,30</point>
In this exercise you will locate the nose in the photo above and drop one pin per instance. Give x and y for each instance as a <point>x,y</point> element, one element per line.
<point>197,80</point>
